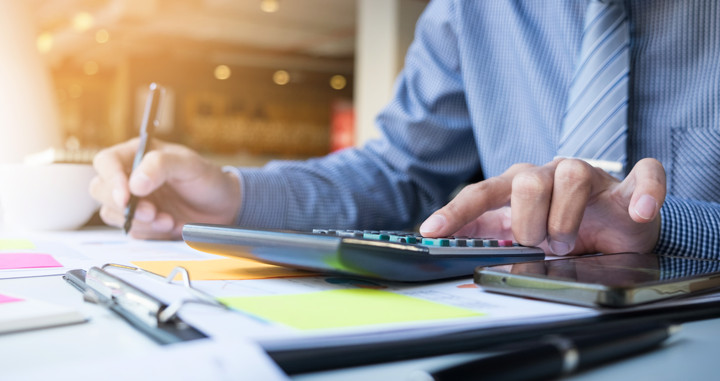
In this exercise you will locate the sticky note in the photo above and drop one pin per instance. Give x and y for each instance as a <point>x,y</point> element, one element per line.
<point>16,244</point>
<point>8,299</point>
<point>222,269</point>
<point>27,261</point>
<point>344,308</point>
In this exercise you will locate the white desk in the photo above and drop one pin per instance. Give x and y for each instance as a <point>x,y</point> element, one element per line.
<point>691,355</point>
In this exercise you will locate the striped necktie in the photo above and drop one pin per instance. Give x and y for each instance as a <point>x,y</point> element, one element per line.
<point>595,121</point>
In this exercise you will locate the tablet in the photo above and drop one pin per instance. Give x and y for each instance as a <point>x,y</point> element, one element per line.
<point>607,280</point>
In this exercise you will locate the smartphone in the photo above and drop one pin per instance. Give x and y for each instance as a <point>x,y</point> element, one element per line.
<point>603,280</point>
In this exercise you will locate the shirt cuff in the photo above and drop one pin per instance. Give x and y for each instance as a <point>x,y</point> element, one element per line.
<point>689,228</point>
<point>264,198</point>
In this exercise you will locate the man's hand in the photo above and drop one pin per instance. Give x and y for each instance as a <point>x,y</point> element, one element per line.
<point>565,206</point>
<point>175,186</point>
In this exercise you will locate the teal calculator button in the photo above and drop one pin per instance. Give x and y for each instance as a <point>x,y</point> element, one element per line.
<point>403,238</point>
<point>436,241</point>
<point>377,236</point>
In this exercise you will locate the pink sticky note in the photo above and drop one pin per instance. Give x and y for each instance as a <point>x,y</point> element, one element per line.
<point>8,299</point>
<point>26,261</point>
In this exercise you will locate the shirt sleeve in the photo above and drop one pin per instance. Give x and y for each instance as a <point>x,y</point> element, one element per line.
<point>689,228</point>
<point>425,151</point>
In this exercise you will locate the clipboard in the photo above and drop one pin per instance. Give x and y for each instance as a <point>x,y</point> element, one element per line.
<point>153,317</point>
<point>335,354</point>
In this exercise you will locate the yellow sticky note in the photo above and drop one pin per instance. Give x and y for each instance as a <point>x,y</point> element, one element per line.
<point>344,308</point>
<point>222,269</point>
<point>16,244</point>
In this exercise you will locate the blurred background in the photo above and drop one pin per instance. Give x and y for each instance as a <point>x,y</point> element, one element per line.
<point>247,80</point>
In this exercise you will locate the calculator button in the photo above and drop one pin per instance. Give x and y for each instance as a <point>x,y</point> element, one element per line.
<point>376,236</point>
<point>445,242</point>
<point>324,231</point>
<point>403,239</point>
<point>490,242</point>
<point>505,243</point>
<point>350,233</point>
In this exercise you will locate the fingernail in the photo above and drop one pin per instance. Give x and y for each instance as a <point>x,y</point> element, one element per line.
<point>646,207</point>
<point>119,197</point>
<point>433,224</point>
<point>559,248</point>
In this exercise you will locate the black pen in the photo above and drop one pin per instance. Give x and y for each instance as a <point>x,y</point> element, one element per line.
<point>150,120</point>
<point>556,355</point>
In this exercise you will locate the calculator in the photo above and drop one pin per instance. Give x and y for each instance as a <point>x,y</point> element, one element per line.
<point>387,255</point>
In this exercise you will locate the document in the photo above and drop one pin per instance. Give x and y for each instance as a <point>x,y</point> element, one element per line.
<point>310,311</point>
<point>219,359</point>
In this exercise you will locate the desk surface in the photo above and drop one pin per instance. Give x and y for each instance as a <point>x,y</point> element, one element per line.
<point>691,355</point>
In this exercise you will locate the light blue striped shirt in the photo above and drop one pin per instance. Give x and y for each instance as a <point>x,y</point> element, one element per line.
<point>484,86</point>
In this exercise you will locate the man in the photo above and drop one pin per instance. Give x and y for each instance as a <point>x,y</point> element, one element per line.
<point>488,85</point>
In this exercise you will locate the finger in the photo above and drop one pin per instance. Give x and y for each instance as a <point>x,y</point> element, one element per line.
<point>495,224</point>
<point>530,204</point>
<point>573,184</point>
<point>100,191</point>
<point>145,211</point>
<point>112,165</point>
<point>647,185</point>
<point>162,227</point>
<point>173,163</point>
<point>111,216</point>
<point>470,203</point>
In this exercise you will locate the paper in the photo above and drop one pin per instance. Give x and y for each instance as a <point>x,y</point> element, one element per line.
<point>22,314</point>
<point>14,261</point>
<point>225,359</point>
<point>222,269</point>
<point>16,244</point>
<point>345,308</point>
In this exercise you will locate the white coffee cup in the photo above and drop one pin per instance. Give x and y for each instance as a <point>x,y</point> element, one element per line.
<point>46,197</point>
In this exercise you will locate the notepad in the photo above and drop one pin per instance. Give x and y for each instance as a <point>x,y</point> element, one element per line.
<point>15,261</point>
<point>345,308</point>
<point>16,244</point>
<point>20,314</point>
<point>222,269</point>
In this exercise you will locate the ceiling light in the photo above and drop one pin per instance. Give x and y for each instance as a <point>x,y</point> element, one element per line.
<point>91,68</point>
<point>269,6</point>
<point>44,42</point>
<point>222,72</point>
<point>338,82</point>
<point>102,36</point>
<point>281,77</point>
<point>83,21</point>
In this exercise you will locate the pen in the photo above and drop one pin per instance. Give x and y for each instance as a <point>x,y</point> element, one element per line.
<point>149,122</point>
<point>556,355</point>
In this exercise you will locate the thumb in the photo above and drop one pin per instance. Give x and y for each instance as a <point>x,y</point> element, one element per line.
<point>166,164</point>
<point>647,184</point>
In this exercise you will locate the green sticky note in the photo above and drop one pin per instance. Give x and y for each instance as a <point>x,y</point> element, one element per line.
<point>344,308</point>
<point>16,244</point>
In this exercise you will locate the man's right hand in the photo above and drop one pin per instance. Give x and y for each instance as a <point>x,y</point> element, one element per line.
<point>174,184</point>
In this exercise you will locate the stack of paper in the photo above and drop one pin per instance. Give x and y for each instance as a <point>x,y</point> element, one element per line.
<point>19,314</point>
